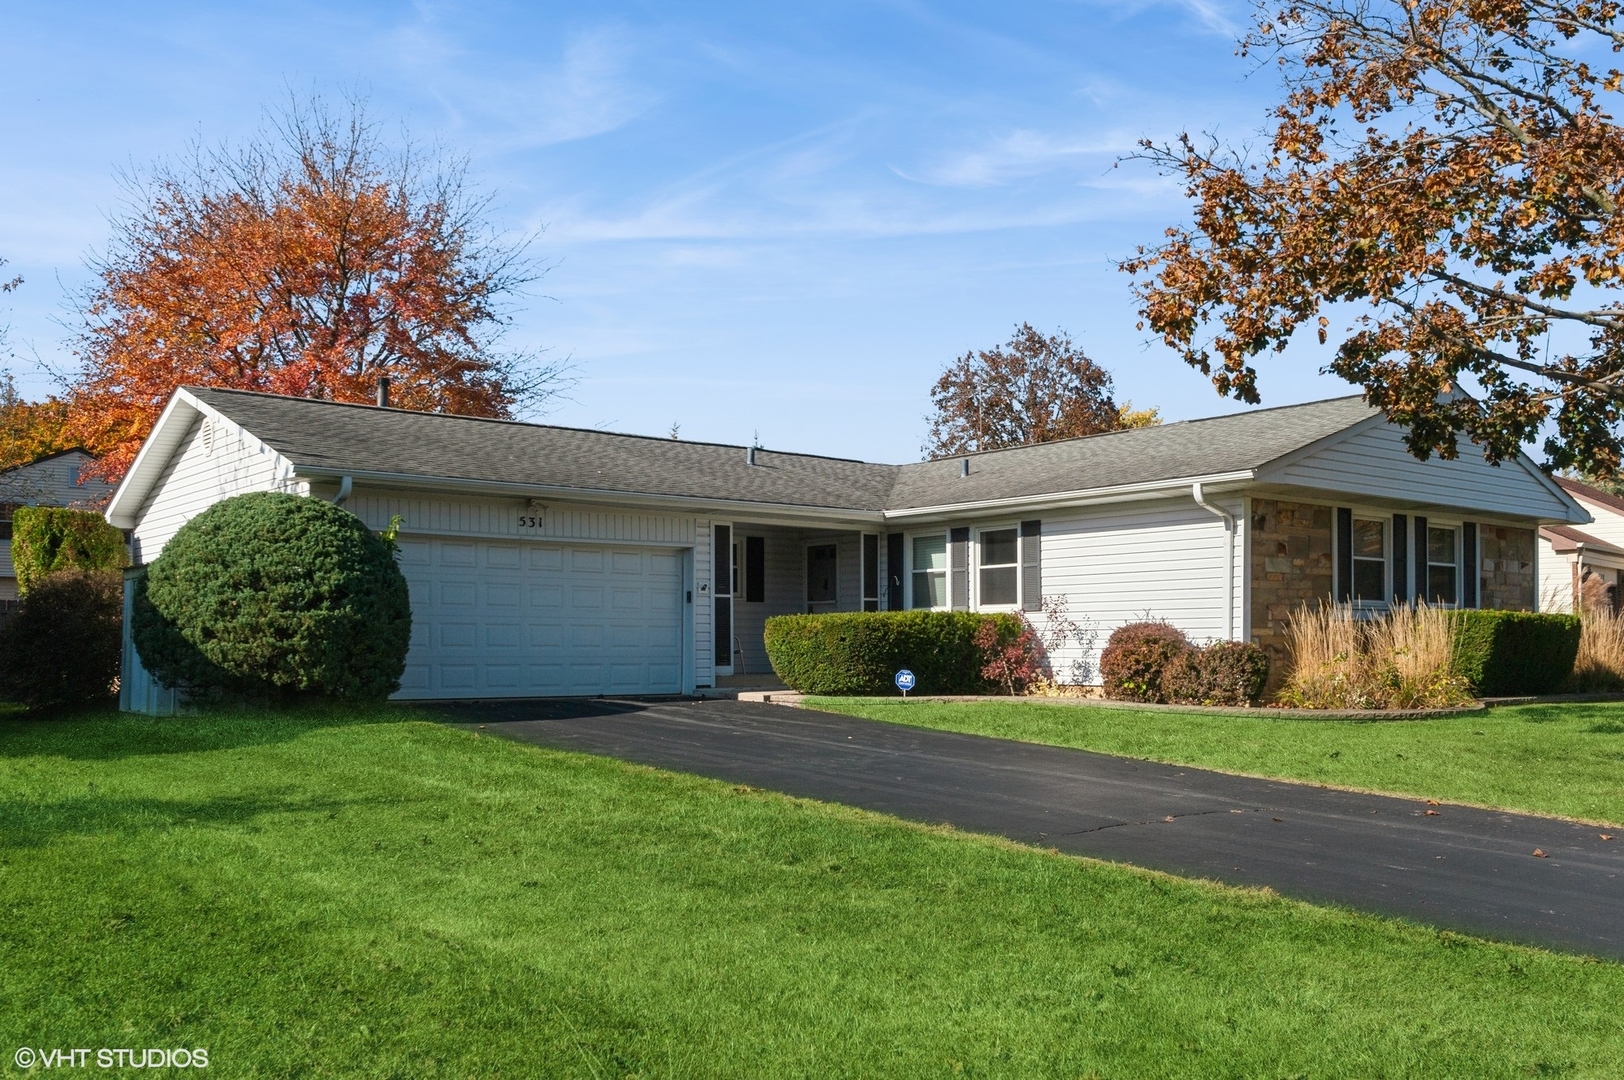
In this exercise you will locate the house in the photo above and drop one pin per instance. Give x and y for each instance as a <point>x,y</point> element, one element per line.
<point>1580,569</point>
<point>548,560</point>
<point>53,480</point>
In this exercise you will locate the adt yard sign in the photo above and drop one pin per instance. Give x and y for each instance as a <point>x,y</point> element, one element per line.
<point>905,681</point>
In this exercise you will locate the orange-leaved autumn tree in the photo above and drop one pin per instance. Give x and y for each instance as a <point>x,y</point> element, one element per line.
<point>309,262</point>
<point>1445,175</point>
<point>29,430</point>
<point>1036,388</point>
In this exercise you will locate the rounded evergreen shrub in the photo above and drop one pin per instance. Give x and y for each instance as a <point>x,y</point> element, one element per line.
<point>1223,673</point>
<point>63,645</point>
<point>268,594</point>
<point>861,652</point>
<point>1135,658</point>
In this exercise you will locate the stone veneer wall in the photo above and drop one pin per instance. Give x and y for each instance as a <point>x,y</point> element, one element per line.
<point>1291,566</point>
<point>1508,568</point>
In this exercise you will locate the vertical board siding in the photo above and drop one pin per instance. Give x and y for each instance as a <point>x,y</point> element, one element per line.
<point>1375,462</point>
<point>498,517</point>
<point>1161,560</point>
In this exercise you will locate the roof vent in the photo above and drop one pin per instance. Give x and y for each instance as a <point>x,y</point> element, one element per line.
<point>964,466</point>
<point>750,456</point>
<point>383,391</point>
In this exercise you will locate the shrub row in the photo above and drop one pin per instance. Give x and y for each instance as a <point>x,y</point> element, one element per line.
<point>861,652</point>
<point>1153,661</point>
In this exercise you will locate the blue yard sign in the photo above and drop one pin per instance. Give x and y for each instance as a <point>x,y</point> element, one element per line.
<point>905,681</point>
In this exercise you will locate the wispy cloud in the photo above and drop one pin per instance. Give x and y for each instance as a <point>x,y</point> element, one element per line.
<point>1017,155</point>
<point>588,89</point>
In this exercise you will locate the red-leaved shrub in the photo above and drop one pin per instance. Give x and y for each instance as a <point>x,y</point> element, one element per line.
<point>1135,658</point>
<point>1013,662</point>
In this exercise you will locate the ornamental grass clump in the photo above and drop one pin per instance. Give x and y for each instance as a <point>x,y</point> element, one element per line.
<point>1405,659</point>
<point>1600,664</point>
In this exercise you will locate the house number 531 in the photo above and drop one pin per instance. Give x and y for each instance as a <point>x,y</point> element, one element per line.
<point>530,521</point>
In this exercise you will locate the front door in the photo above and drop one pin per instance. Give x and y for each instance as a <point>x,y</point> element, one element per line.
<point>821,575</point>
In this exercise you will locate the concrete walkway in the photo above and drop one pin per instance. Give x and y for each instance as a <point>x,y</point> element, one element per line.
<point>1467,869</point>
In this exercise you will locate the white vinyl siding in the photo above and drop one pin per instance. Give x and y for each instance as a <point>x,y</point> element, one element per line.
<point>1608,524</point>
<point>1161,559</point>
<point>201,473</point>
<point>1373,461</point>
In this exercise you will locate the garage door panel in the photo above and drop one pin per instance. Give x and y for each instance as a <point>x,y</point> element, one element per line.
<point>586,560</point>
<point>546,635</point>
<point>503,556</point>
<point>458,554</point>
<point>458,593</point>
<point>547,596</point>
<point>504,636</point>
<point>546,558</point>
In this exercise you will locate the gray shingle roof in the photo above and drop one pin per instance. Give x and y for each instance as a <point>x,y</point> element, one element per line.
<point>337,438</point>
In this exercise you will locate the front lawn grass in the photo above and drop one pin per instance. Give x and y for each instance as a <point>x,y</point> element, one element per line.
<point>1566,760</point>
<point>367,895</point>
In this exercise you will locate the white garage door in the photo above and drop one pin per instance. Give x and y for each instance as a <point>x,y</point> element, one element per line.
<point>518,619</point>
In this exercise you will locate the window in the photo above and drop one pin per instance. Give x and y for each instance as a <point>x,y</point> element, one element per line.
<point>930,571</point>
<point>1369,561</point>
<point>871,572</point>
<point>999,580</point>
<point>1443,561</point>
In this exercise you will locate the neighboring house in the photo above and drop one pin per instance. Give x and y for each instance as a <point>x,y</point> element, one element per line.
<point>1582,569</point>
<point>53,480</point>
<point>557,561</point>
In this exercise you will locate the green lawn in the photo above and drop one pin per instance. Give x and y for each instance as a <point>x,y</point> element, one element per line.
<point>367,895</point>
<point>1566,760</point>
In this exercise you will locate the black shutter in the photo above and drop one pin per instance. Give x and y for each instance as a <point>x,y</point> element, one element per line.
<point>958,569</point>
<point>893,571</point>
<point>1468,558</point>
<point>1401,559</point>
<point>755,569</point>
<point>1422,592</point>
<point>1344,555</point>
<point>1031,566</point>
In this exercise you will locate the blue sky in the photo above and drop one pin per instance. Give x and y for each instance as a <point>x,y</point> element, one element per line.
<point>760,218</point>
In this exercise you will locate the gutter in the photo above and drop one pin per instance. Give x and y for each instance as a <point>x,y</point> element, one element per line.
<point>1229,556</point>
<point>1079,496</point>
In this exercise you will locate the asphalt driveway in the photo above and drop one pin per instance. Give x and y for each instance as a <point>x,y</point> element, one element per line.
<point>1459,867</point>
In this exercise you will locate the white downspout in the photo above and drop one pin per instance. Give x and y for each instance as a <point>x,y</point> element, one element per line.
<point>1229,559</point>
<point>345,483</point>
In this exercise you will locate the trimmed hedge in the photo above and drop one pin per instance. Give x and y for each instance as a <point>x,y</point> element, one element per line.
<point>1507,653</point>
<point>268,594</point>
<point>63,645</point>
<point>861,652</point>
<point>45,539</point>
